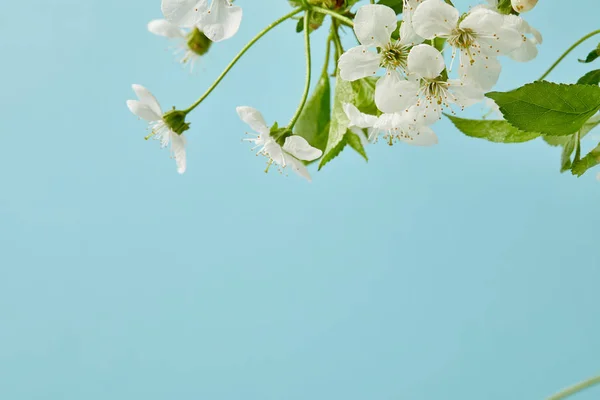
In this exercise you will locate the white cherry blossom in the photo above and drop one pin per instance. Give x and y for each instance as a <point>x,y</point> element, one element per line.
<point>479,38</point>
<point>431,91</point>
<point>294,150</point>
<point>148,108</point>
<point>531,37</point>
<point>191,44</point>
<point>374,25</point>
<point>406,126</point>
<point>219,21</point>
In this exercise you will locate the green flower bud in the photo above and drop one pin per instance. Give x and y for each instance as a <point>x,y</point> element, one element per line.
<point>175,120</point>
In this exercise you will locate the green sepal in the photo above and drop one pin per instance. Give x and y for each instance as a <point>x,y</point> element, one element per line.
<point>175,120</point>
<point>198,42</point>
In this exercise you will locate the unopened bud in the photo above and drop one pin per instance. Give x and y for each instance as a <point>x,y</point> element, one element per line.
<point>522,6</point>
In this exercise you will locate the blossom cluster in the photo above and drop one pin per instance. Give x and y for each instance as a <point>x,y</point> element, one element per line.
<point>433,60</point>
<point>416,87</point>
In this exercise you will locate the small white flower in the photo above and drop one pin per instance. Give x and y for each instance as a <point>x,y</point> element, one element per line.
<point>522,6</point>
<point>294,150</point>
<point>219,22</point>
<point>374,25</point>
<point>359,122</point>
<point>148,108</point>
<point>429,90</point>
<point>188,43</point>
<point>479,38</point>
<point>406,127</point>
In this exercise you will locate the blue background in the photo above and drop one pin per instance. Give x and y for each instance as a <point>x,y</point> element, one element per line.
<point>465,271</point>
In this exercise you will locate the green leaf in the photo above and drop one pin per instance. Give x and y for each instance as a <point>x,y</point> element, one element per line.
<point>313,122</point>
<point>492,130</point>
<point>569,143</point>
<point>354,141</point>
<point>338,127</point>
<point>439,43</point>
<point>549,108</point>
<point>361,94</point>
<point>594,54</point>
<point>364,92</point>
<point>591,78</point>
<point>395,5</point>
<point>592,159</point>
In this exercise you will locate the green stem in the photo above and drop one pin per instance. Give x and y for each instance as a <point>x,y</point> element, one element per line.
<point>333,14</point>
<point>308,71</point>
<point>566,53</point>
<point>327,55</point>
<point>339,49</point>
<point>576,389</point>
<point>240,54</point>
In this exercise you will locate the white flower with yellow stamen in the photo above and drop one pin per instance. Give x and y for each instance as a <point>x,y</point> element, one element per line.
<point>374,25</point>
<point>294,150</point>
<point>479,37</point>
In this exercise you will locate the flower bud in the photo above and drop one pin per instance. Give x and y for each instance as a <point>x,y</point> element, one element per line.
<point>175,120</point>
<point>522,6</point>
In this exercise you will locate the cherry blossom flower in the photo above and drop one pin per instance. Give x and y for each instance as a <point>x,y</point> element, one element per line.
<point>406,126</point>
<point>479,38</point>
<point>218,22</point>
<point>192,44</point>
<point>430,90</point>
<point>374,25</point>
<point>294,150</point>
<point>531,37</point>
<point>148,108</point>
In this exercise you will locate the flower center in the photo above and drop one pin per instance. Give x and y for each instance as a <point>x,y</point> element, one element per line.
<point>462,38</point>
<point>394,56</point>
<point>435,90</point>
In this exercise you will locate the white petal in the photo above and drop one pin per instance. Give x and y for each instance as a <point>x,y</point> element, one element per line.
<point>465,94</point>
<point>424,114</point>
<point>162,27</point>
<point>422,136</point>
<point>493,35</point>
<point>298,147</point>
<point>183,13</point>
<point>408,35</point>
<point>254,118</point>
<point>222,21</point>
<point>275,152</point>
<point>147,98</point>
<point>426,61</point>
<point>393,94</point>
<point>527,52</point>
<point>357,63</point>
<point>434,18</point>
<point>178,151</point>
<point>358,119</point>
<point>143,110</point>
<point>483,71</point>
<point>374,25</point>
<point>297,166</point>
